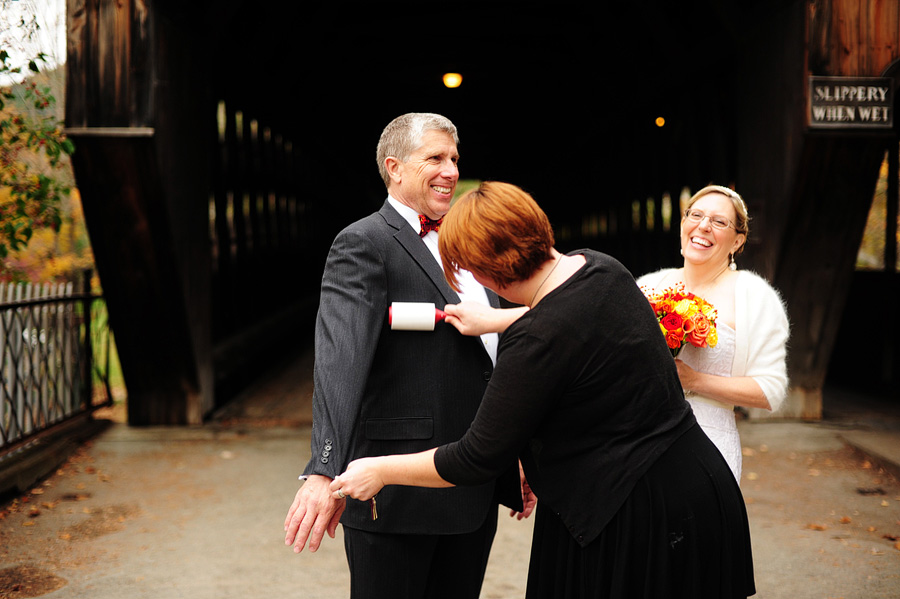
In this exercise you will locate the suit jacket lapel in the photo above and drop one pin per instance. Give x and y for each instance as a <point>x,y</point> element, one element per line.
<point>413,244</point>
<point>493,298</point>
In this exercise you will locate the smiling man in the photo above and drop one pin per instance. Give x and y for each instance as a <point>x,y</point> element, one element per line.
<point>381,392</point>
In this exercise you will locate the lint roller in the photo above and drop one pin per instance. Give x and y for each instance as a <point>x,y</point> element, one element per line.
<point>414,316</point>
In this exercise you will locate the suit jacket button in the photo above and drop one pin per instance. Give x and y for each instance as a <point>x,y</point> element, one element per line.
<point>327,441</point>
<point>328,448</point>
<point>324,460</point>
<point>487,376</point>
<point>325,454</point>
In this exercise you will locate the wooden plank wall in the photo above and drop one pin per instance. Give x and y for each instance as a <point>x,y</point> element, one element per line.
<point>266,244</point>
<point>853,38</point>
<point>831,192</point>
<point>131,108</point>
<point>109,64</point>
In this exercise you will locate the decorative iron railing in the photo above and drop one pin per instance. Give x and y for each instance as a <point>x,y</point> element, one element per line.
<point>50,338</point>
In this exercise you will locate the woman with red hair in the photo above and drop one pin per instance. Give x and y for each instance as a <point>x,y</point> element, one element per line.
<point>634,499</point>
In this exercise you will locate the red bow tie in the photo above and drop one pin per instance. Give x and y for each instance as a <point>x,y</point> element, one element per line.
<point>429,225</point>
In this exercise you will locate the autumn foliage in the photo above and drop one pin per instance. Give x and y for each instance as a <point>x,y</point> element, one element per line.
<point>42,233</point>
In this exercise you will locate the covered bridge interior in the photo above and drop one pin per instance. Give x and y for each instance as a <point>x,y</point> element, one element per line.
<point>221,146</point>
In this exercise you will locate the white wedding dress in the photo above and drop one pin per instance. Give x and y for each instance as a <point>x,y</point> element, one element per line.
<point>716,418</point>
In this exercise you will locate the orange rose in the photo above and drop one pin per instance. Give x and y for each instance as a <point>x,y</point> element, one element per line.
<point>675,339</point>
<point>697,336</point>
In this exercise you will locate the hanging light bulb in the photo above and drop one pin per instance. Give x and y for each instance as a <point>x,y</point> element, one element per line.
<point>452,79</point>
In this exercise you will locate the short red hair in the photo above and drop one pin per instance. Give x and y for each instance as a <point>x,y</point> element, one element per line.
<point>497,231</point>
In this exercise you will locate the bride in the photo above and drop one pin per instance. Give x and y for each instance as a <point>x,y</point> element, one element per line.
<point>747,366</point>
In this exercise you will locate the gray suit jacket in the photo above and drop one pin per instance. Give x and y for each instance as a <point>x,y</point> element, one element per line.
<point>380,392</point>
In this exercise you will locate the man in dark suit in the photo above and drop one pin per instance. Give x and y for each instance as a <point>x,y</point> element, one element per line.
<point>380,391</point>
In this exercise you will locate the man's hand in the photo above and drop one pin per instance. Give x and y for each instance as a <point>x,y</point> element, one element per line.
<point>313,513</point>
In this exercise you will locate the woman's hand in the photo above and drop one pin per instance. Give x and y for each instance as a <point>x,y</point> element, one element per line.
<point>529,499</point>
<point>362,480</point>
<point>473,318</point>
<point>736,390</point>
<point>687,375</point>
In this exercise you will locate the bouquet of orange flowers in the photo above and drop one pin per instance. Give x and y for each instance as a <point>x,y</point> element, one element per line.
<point>684,318</point>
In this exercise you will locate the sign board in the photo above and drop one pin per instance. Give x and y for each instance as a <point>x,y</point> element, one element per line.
<point>851,103</point>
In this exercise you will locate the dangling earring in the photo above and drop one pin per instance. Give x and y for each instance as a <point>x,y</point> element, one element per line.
<point>732,265</point>
<point>682,251</point>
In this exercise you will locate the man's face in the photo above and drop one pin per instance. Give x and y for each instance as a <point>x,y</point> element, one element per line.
<point>427,180</point>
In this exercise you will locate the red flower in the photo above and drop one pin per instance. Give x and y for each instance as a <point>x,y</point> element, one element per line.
<point>684,318</point>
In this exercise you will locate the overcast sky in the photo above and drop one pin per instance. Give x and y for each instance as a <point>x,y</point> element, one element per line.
<point>49,39</point>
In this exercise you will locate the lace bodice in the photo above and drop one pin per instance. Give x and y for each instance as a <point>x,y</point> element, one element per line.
<point>716,360</point>
<point>716,418</point>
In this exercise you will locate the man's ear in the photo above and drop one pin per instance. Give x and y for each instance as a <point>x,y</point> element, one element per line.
<point>394,168</point>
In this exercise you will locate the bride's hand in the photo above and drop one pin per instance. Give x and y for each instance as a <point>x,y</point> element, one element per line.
<point>687,375</point>
<point>362,480</point>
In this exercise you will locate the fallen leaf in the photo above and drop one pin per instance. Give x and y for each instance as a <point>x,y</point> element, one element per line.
<point>763,448</point>
<point>890,537</point>
<point>867,465</point>
<point>65,536</point>
<point>897,546</point>
<point>37,491</point>
<point>816,527</point>
<point>884,503</point>
<point>870,491</point>
<point>846,520</point>
<point>752,476</point>
<point>28,523</point>
<point>814,472</point>
<point>748,451</point>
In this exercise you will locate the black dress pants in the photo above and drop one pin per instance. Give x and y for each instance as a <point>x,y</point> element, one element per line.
<point>394,566</point>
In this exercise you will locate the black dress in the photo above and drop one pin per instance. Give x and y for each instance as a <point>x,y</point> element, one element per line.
<point>634,500</point>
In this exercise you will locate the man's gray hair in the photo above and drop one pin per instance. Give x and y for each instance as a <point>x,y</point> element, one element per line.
<point>404,134</point>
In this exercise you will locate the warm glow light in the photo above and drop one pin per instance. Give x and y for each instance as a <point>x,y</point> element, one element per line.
<point>660,122</point>
<point>452,79</point>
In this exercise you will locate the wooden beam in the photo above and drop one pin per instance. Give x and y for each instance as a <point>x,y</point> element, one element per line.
<point>121,190</point>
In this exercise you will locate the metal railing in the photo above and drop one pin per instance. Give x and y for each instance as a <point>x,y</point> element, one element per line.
<point>49,340</point>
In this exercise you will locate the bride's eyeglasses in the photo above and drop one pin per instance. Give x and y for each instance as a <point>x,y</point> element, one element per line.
<point>697,216</point>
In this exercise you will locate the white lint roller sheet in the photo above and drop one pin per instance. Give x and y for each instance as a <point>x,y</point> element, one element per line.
<point>414,316</point>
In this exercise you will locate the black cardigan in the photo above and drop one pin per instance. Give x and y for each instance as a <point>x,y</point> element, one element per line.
<point>585,392</point>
